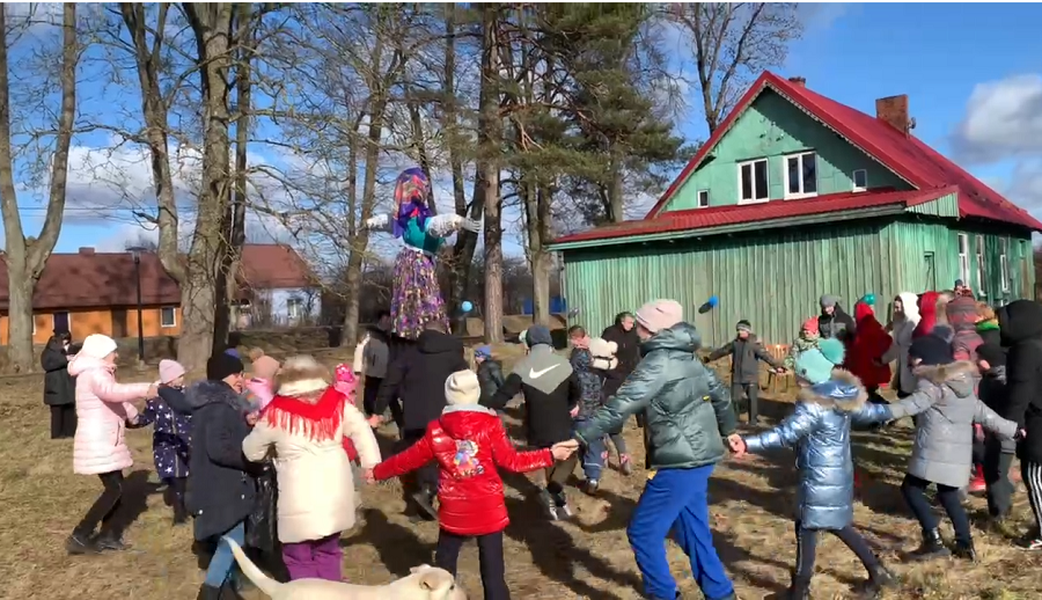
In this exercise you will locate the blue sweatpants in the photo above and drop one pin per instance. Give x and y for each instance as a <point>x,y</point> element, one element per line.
<point>593,453</point>
<point>222,565</point>
<point>677,499</point>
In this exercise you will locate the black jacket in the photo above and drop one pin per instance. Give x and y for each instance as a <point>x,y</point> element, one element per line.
<point>628,355</point>
<point>839,325</point>
<point>221,482</point>
<point>1020,325</point>
<point>746,354</point>
<point>490,376</point>
<point>551,389</point>
<point>418,378</point>
<point>58,386</point>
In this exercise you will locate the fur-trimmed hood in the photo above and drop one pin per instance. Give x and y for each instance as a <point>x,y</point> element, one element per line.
<point>843,391</point>
<point>960,376</point>
<point>302,377</point>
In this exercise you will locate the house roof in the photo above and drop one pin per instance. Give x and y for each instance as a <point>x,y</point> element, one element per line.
<point>736,214</point>
<point>905,155</point>
<point>89,279</point>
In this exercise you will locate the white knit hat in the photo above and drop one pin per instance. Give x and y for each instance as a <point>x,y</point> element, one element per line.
<point>462,387</point>
<point>97,346</point>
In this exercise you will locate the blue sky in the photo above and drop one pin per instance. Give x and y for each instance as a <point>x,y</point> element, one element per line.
<point>941,55</point>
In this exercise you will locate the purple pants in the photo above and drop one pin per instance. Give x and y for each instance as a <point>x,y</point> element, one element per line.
<point>314,559</point>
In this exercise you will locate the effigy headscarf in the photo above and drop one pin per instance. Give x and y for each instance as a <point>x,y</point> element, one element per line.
<point>410,196</point>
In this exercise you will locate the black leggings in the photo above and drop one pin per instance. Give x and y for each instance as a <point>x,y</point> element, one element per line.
<point>914,491</point>
<point>807,548</point>
<point>105,507</point>
<point>490,555</point>
<point>63,421</point>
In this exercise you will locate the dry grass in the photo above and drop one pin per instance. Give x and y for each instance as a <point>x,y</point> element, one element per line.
<point>751,501</point>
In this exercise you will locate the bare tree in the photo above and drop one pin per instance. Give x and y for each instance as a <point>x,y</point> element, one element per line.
<point>26,257</point>
<point>490,135</point>
<point>732,43</point>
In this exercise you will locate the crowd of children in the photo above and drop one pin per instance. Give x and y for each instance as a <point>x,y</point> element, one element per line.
<point>970,376</point>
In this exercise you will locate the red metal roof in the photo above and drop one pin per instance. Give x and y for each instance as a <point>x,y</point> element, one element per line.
<point>905,155</point>
<point>718,216</point>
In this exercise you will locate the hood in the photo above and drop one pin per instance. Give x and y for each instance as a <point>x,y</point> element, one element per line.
<point>682,336</point>
<point>862,311</point>
<point>843,392</point>
<point>436,342</point>
<point>462,421</point>
<point>927,305</point>
<point>84,363</point>
<point>960,376</point>
<point>543,369</point>
<point>962,314</point>
<point>205,392</point>
<point>910,302</point>
<point>1019,321</point>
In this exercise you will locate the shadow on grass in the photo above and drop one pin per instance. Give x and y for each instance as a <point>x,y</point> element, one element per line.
<point>134,501</point>
<point>398,547</point>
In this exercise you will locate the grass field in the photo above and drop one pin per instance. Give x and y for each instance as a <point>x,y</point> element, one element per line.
<point>751,499</point>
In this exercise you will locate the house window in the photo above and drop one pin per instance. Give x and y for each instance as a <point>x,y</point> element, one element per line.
<point>964,257</point>
<point>1004,263</point>
<point>295,308</point>
<point>860,180</point>
<point>801,175</point>
<point>982,276</point>
<point>752,181</point>
<point>168,317</point>
<point>61,322</point>
<point>703,198</point>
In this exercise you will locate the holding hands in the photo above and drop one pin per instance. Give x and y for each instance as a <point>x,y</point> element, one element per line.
<point>737,445</point>
<point>375,421</point>
<point>369,478</point>
<point>471,225</point>
<point>564,450</point>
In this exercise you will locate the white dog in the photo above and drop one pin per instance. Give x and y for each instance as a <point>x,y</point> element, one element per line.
<point>424,583</point>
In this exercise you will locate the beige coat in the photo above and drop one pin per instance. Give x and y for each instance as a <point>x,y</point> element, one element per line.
<point>316,487</point>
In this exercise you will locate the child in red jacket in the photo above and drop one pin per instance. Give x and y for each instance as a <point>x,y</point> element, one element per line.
<point>468,442</point>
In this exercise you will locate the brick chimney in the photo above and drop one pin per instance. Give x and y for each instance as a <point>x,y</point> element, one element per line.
<point>893,110</point>
<point>86,251</point>
<point>798,81</point>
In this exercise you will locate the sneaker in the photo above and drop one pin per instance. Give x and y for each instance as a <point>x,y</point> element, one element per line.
<point>548,505</point>
<point>563,510</point>
<point>592,485</point>
<point>965,551</point>
<point>625,465</point>
<point>80,544</point>
<point>1032,542</point>
<point>879,579</point>
<point>111,543</point>
<point>977,484</point>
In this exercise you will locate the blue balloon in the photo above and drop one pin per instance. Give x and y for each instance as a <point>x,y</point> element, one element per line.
<point>467,306</point>
<point>713,301</point>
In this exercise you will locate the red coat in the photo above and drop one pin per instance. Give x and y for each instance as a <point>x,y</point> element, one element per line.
<point>869,346</point>
<point>468,442</point>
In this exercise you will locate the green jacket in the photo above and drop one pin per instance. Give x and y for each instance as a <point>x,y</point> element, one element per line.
<point>686,409</point>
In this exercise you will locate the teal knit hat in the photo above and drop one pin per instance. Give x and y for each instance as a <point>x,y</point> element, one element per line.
<point>816,365</point>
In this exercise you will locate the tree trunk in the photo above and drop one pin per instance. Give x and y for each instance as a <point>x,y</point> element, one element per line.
<point>489,137</point>
<point>353,277</point>
<point>538,224</point>
<point>26,258</point>
<point>211,24</point>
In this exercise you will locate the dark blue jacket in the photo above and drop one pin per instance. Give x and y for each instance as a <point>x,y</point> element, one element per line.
<point>171,434</point>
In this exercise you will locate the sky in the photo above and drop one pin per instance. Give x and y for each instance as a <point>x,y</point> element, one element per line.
<point>973,73</point>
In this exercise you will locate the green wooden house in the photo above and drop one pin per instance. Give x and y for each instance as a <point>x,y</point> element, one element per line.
<point>793,196</point>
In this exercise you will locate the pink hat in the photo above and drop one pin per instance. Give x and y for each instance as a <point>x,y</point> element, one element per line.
<point>660,314</point>
<point>170,370</point>
<point>811,325</point>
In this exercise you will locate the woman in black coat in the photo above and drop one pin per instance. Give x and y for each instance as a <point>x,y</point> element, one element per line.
<point>59,388</point>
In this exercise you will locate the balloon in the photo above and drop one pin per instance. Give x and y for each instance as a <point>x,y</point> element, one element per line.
<point>709,305</point>
<point>467,306</point>
<point>573,313</point>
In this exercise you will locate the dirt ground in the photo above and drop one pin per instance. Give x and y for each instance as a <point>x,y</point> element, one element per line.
<point>751,499</point>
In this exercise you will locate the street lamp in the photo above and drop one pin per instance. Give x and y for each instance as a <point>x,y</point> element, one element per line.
<point>136,253</point>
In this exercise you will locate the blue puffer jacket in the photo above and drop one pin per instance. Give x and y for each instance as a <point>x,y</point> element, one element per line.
<point>820,432</point>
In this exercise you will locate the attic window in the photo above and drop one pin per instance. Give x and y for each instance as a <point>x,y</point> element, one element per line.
<point>753,182</point>
<point>860,179</point>
<point>801,175</point>
<point>703,198</point>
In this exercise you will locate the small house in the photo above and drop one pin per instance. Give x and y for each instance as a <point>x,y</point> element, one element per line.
<point>793,196</point>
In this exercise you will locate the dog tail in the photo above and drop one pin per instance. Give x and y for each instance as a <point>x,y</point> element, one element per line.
<point>264,583</point>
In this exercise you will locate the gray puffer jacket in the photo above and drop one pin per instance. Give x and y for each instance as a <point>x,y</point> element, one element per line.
<point>947,407</point>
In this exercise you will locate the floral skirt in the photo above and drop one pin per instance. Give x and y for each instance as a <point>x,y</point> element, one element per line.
<point>416,299</point>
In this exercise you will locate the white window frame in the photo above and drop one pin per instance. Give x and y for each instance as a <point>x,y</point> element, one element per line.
<point>1004,263</point>
<point>964,257</point>
<point>752,173</point>
<point>54,322</point>
<point>173,323</point>
<point>853,180</point>
<point>698,197</point>
<point>290,303</point>
<point>785,175</point>
<point>9,323</point>
<point>982,273</point>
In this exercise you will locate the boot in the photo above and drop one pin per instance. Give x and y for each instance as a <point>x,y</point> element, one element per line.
<point>547,500</point>
<point>80,543</point>
<point>879,579</point>
<point>932,547</point>
<point>977,484</point>
<point>110,542</point>
<point>207,592</point>
<point>800,589</point>
<point>592,485</point>
<point>965,551</point>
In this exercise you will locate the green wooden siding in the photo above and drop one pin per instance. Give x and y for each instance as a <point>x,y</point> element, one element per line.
<point>773,128</point>
<point>1019,260</point>
<point>772,278</point>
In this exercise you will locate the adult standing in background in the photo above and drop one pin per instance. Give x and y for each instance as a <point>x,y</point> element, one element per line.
<point>834,322</point>
<point>59,388</point>
<point>625,337</point>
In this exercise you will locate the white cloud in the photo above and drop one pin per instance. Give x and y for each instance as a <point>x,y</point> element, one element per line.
<point>1003,120</point>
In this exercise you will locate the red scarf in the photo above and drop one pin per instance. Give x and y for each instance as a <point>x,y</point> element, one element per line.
<point>318,421</point>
